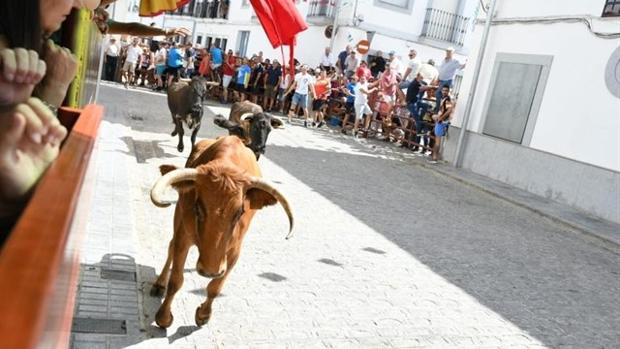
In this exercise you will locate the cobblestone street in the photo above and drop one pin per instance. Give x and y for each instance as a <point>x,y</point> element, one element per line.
<point>386,253</point>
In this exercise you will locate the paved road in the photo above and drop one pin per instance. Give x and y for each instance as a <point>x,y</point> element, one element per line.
<point>386,253</point>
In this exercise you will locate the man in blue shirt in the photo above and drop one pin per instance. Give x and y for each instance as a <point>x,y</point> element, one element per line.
<point>349,107</point>
<point>342,57</point>
<point>174,62</point>
<point>217,58</point>
<point>447,71</point>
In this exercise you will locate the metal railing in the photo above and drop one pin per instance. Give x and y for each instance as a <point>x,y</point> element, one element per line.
<point>322,8</point>
<point>445,26</point>
<point>204,9</point>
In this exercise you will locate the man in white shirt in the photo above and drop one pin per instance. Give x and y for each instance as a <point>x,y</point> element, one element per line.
<point>111,59</point>
<point>447,71</point>
<point>413,67</point>
<point>362,109</point>
<point>351,64</point>
<point>302,85</point>
<point>428,71</point>
<point>133,54</point>
<point>395,64</point>
<point>327,60</point>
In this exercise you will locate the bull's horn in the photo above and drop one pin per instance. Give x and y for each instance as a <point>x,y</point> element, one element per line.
<point>167,180</point>
<point>245,116</point>
<point>262,184</point>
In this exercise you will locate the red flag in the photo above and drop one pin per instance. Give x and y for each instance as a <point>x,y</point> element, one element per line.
<point>281,22</point>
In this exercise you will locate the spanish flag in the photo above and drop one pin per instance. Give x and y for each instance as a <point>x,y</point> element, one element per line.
<point>152,8</point>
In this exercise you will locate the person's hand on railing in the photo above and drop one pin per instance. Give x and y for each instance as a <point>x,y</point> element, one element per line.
<point>61,69</point>
<point>20,71</point>
<point>30,137</point>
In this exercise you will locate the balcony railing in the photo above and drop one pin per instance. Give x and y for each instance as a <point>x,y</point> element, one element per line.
<point>322,8</point>
<point>203,9</point>
<point>445,26</point>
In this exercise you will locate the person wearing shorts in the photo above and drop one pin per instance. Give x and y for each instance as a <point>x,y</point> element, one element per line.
<point>273,76</point>
<point>133,55</point>
<point>322,90</point>
<point>228,70</point>
<point>301,85</point>
<point>362,109</point>
<point>217,58</point>
<point>285,83</point>
<point>243,78</point>
<point>174,63</point>
<point>442,121</point>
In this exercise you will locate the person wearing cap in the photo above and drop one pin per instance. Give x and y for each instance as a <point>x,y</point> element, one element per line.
<point>273,78</point>
<point>447,71</point>
<point>351,64</point>
<point>413,67</point>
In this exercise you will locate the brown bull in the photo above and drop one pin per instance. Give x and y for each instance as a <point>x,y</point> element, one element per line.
<point>220,189</point>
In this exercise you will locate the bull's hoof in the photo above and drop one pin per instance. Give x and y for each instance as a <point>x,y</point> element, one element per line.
<point>174,133</point>
<point>180,148</point>
<point>158,291</point>
<point>200,321</point>
<point>163,320</point>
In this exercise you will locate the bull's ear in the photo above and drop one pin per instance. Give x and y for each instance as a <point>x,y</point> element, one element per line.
<point>181,187</point>
<point>163,169</point>
<point>275,122</point>
<point>259,198</point>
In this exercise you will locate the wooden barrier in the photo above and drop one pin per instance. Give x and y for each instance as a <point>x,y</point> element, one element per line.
<point>39,264</point>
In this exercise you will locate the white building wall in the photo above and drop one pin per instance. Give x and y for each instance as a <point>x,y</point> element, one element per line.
<point>537,8</point>
<point>579,117</point>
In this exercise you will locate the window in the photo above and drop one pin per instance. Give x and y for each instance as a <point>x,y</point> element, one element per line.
<point>199,39</point>
<point>242,42</point>
<point>245,3</point>
<point>515,93</point>
<point>397,5</point>
<point>612,8</point>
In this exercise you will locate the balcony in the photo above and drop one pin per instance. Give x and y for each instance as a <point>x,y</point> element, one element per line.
<point>202,9</point>
<point>445,26</point>
<point>321,11</point>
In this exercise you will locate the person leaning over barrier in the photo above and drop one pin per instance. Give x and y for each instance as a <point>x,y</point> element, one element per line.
<point>30,133</point>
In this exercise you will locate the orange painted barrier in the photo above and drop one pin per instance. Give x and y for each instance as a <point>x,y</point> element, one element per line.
<point>39,263</point>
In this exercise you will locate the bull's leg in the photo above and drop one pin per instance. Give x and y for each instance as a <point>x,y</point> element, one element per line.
<point>203,313</point>
<point>194,134</point>
<point>164,317</point>
<point>160,284</point>
<point>174,121</point>
<point>180,132</point>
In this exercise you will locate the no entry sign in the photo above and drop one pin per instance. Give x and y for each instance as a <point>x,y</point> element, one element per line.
<point>363,46</point>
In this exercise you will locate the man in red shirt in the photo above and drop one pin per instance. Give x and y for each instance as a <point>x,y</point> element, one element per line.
<point>228,71</point>
<point>363,70</point>
<point>322,90</point>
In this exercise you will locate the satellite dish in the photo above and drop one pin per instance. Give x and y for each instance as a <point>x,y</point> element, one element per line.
<point>329,31</point>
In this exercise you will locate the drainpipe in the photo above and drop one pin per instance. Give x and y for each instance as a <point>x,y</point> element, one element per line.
<point>335,26</point>
<point>460,145</point>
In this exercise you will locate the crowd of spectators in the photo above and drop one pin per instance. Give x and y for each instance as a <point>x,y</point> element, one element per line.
<point>347,89</point>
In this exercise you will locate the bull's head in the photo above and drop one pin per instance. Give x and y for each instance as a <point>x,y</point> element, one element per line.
<point>219,203</point>
<point>253,128</point>
<point>199,87</point>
